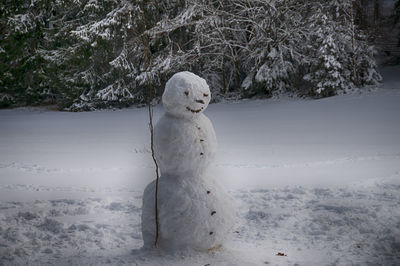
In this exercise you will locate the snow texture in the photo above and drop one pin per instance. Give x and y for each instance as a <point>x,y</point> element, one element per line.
<point>194,210</point>
<point>317,180</point>
<point>186,95</point>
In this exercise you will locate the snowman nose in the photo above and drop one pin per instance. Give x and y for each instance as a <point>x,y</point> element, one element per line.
<point>200,101</point>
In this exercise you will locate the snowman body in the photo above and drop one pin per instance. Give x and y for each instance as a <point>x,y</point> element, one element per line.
<point>194,209</point>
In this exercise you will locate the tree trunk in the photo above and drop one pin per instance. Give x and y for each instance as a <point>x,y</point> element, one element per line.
<point>377,12</point>
<point>353,33</point>
<point>223,73</point>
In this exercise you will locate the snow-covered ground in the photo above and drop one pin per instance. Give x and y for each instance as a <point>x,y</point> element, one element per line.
<point>316,180</point>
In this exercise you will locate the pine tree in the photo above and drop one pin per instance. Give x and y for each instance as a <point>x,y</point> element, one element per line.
<point>340,57</point>
<point>121,38</point>
<point>326,72</point>
<point>22,75</point>
<point>397,17</point>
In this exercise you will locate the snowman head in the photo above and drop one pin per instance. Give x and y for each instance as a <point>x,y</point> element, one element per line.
<point>186,95</point>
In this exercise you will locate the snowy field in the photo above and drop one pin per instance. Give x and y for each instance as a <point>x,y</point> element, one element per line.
<point>315,180</point>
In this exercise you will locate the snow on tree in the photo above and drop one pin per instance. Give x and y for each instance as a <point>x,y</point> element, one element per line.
<point>123,30</point>
<point>366,69</point>
<point>326,71</point>
<point>273,44</point>
<point>339,56</point>
<point>87,54</point>
<point>22,75</point>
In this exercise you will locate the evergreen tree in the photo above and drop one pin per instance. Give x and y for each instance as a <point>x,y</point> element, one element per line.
<point>275,45</point>
<point>340,57</point>
<point>326,72</point>
<point>397,16</point>
<point>22,70</point>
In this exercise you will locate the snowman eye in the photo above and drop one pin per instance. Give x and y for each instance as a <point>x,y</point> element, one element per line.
<point>205,95</point>
<point>187,93</point>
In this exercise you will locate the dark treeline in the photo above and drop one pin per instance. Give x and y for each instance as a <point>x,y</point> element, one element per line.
<point>88,54</point>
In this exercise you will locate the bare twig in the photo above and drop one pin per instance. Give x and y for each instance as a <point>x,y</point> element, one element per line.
<point>150,110</point>
<point>155,162</point>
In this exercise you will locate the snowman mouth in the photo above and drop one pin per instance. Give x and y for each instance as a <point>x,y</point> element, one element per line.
<point>193,110</point>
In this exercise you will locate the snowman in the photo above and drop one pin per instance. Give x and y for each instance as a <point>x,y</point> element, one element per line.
<point>194,210</point>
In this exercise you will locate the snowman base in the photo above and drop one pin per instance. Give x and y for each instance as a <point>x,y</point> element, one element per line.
<point>194,213</point>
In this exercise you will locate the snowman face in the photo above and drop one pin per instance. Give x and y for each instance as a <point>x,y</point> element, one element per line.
<point>186,95</point>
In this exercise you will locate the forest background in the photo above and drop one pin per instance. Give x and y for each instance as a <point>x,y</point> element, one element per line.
<point>87,54</point>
